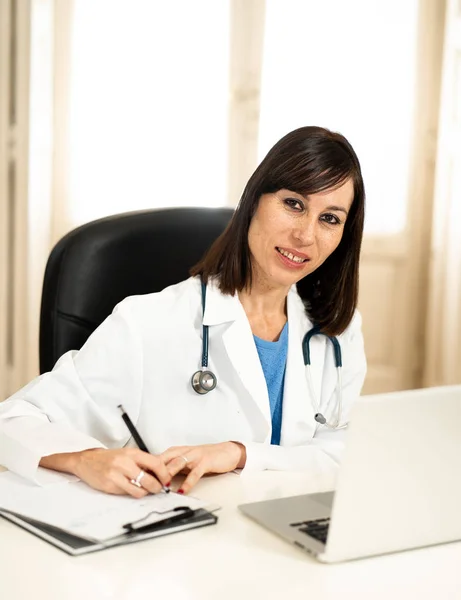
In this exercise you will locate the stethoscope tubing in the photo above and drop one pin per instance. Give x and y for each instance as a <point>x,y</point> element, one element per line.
<point>205,337</point>
<point>319,417</point>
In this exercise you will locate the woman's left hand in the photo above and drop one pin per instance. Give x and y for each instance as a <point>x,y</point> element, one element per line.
<point>199,460</point>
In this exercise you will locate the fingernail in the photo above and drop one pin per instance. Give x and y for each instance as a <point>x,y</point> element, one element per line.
<point>180,491</point>
<point>168,484</point>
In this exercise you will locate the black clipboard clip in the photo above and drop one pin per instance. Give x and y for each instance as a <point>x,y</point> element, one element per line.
<point>182,513</point>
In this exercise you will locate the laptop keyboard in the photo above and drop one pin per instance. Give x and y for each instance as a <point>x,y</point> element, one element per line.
<point>317,528</point>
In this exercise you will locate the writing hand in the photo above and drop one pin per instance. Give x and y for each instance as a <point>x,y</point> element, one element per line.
<point>111,471</point>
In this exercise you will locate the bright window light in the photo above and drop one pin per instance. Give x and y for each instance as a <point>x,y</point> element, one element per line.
<point>149,105</point>
<point>348,66</point>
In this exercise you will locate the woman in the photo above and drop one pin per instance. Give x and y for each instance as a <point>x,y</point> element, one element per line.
<point>299,221</point>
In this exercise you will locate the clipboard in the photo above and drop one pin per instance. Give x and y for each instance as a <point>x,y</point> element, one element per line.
<point>181,520</point>
<point>78,519</point>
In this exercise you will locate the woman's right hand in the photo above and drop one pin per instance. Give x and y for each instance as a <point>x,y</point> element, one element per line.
<point>111,471</point>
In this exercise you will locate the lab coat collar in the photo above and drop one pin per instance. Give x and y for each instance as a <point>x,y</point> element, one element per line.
<point>220,308</point>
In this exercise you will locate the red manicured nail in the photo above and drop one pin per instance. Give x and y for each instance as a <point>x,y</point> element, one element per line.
<point>180,491</point>
<point>168,484</point>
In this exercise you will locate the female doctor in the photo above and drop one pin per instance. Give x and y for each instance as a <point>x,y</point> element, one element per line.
<point>215,371</point>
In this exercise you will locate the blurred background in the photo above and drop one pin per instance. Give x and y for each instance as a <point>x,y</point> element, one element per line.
<point>109,106</point>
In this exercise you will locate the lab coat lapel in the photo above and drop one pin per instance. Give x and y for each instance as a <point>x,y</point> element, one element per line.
<point>241,349</point>
<point>298,423</point>
<point>239,344</point>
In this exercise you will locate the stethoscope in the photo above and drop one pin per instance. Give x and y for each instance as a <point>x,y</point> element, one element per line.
<point>204,380</point>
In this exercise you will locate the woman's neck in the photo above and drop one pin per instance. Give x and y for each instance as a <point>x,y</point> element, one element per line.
<point>269,302</point>
<point>266,310</point>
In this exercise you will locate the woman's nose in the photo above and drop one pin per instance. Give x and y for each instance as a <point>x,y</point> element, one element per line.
<point>305,232</point>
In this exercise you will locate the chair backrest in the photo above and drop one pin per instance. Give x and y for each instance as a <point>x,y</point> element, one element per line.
<point>99,264</point>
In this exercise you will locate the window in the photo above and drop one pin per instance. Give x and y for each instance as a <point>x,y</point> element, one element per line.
<point>348,66</point>
<point>148,105</point>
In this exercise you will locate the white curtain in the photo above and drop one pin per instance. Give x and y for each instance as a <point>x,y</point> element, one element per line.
<point>443,335</point>
<point>146,101</point>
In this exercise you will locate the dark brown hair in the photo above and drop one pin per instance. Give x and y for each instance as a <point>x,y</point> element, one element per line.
<point>307,160</point>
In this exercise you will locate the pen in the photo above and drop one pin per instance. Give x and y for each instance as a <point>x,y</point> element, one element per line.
<point>138,439</point>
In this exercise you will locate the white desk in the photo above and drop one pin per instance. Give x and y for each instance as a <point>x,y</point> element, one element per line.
<point>235,559</point>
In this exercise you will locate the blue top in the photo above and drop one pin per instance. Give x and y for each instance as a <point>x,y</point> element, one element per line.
<point>273,357</point>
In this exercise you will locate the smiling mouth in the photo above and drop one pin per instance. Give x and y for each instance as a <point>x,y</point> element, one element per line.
<point>293,257</point>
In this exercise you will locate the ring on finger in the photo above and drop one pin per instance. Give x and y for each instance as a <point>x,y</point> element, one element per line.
<point>137,481</point>
<point>185,459</point>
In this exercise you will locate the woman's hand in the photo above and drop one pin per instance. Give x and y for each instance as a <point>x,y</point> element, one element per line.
<point>111,471</point>
<point>199,460</point>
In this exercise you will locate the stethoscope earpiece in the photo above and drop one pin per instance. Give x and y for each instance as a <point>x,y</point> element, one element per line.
<point>203,381</point>
<point>320,418</point>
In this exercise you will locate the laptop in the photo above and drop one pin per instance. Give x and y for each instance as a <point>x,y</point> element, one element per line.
<point>398,487</point>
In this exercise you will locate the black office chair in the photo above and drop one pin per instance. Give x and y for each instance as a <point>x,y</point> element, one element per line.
<point>97,265</point>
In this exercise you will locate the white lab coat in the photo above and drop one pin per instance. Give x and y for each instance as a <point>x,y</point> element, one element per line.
<point>143,356</point>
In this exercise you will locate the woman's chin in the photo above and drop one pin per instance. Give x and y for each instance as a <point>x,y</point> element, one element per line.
<point>279,276</point>
<point>285,280</point>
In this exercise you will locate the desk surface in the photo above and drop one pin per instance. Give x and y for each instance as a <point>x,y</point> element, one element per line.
<point>234,559</point>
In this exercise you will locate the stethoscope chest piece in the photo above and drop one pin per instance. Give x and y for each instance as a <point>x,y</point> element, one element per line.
<point>203,381</point>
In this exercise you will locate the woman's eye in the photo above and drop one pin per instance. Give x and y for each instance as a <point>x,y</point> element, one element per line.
<point>293,203</point>
<point>331,219</point>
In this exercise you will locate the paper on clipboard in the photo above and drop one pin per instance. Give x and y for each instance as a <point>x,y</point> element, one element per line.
<point>83,511</point>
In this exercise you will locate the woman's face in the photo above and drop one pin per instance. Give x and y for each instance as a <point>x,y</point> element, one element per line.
<point>292,235</point>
